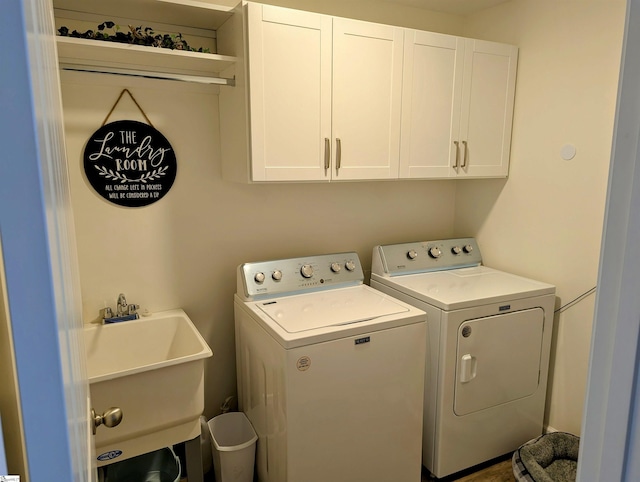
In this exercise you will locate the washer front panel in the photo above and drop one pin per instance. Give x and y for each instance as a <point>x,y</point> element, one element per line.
<point>421,257</point>
<point>268,279</point>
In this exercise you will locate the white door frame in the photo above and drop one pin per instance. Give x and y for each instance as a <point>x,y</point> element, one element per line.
<point>609,435</point>
<point>38,248</point>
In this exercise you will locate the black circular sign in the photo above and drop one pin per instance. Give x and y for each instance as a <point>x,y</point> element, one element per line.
<point>130,163</point>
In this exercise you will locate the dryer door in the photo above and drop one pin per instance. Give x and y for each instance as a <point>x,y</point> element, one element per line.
<point>498,359</point>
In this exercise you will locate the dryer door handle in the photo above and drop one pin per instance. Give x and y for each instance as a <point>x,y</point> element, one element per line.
<point>468,366</point>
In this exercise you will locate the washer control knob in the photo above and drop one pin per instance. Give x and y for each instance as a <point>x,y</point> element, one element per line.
<point>413,254</point>
<point>259,278</point>
<point>276,275</point>
<point>336,267</point>
<point>306,270</point>
<point>435,252</point>
<point>456,250</point>
<point>350,265</point>
<point>468,248</point>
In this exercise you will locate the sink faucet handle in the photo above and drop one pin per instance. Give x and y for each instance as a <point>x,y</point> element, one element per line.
<point>106,313</point>
<point>133,308</point>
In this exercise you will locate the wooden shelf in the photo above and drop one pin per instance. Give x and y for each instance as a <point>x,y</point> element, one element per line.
<point>111,57</point>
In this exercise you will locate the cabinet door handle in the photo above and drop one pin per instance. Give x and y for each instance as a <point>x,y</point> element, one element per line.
<point>455,166</point>
<point>464,158</point>
<point>110,418</point>
<point>338,154</point>
<point>327,154</point>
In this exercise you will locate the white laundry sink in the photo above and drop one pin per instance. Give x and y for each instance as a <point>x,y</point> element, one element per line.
<point>153,370</point>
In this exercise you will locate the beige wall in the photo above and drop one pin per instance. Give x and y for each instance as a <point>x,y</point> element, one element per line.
<point>183,250</point>
<point>545,222</point>
<point>380,11</point>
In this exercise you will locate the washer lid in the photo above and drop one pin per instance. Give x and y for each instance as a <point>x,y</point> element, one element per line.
<point>466,287</point>
<point>337,314</point>
<point>311,311</point>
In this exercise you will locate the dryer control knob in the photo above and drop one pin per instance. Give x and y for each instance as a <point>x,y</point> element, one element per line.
<point>259,278</point>
<point>413,254</point>
<point>435,252</point>
<point>456,250</point>
<point>276,275</point>
<point>468,248</point>
<point>306,270</point>
<point>350,265</point>
<point>336,267</point>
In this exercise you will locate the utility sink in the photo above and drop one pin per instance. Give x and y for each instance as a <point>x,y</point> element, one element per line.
<point>153,370</point>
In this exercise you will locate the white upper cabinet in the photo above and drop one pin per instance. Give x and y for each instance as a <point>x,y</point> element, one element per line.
<point>432,93</point>
<point>367,88</point>
<point>321,98</point>
<point>487,108</point>
<point>324,97</point>
<point>289,70</point>
<point>458,97</point>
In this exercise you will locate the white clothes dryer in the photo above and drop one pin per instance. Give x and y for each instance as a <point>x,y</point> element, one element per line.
<point>330,372</point>
<point>488,356</point>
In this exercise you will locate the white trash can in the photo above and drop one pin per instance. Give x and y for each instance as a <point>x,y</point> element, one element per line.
<point>233,444</point>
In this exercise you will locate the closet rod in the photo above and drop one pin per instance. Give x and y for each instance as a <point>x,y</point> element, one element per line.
<point>151,75</point>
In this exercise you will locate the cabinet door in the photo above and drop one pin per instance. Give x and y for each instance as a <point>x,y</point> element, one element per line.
<point>367,77</point>
<point>487,108</point>
<point>290,93</point>
<point>431,96</point>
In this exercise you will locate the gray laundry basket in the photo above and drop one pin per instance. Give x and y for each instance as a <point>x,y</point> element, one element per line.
<point>552,457</point>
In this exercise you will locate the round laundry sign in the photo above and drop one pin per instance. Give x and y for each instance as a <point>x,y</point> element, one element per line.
<point>130,163</point>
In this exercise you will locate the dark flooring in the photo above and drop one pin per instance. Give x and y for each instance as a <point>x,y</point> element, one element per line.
<point>497,470</point>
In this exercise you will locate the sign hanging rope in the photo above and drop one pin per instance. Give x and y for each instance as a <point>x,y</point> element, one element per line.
<point>134,101</point>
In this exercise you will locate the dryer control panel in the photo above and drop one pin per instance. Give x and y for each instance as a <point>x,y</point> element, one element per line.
<point>283,277</point>
<point>425,256</point>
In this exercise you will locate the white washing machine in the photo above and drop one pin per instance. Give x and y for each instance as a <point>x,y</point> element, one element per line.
<point>330,372</point>
<point>488,357</point>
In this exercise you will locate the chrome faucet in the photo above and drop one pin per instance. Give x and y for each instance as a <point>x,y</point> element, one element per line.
<point>122,307</point>
<point>124,311</point>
